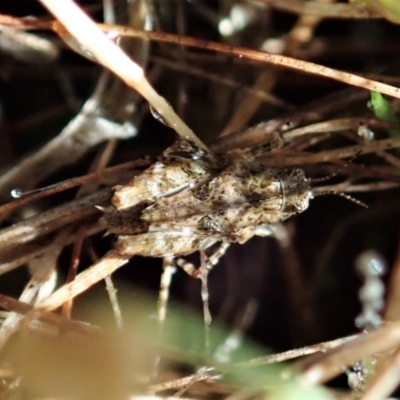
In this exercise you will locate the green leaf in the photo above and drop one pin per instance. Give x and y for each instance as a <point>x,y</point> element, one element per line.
<point>383,111</point>
<point>389,9</point>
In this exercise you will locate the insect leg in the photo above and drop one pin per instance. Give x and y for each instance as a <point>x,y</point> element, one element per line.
<point>273,141</point>
<point>215,257</point>
<point>188,267</point>
<point>209,263</point>
<point>204,270</point>
<point>169,270</point>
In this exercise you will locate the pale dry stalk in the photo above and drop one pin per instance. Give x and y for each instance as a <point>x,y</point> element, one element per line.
<point>322,10</point>
<point>100,270</point>
<point>107,53</point>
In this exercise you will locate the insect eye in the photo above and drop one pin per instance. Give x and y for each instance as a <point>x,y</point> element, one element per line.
<point>298,175</point>
<point>185,150</point>
<point>300,205</point>
<point>205,192</point>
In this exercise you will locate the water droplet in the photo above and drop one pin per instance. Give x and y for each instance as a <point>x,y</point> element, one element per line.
<point>366,133</point>
<point>130,128</point>
<point>112,34</point>
<point>158,116</point>
<point>370,263</point>
<point>16,193</point>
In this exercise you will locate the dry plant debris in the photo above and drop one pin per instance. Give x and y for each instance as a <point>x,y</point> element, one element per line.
<point>264,106</point>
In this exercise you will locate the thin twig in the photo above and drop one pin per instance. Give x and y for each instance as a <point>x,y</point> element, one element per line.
<point>112,294</point>
<point>330,155</point>
<point>10,304</point>
<point>326,366</point>
<point>75,259</point>
<point>347,11</point>
<point>138,80</point>
<point>300,352</point>
<point>275,59</point>
<point>51,220</point>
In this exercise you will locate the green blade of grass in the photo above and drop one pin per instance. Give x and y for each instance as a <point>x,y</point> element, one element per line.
<point>389,9</point>
<point>383,111</point>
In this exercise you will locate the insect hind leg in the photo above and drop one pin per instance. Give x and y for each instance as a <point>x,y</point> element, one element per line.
<point>169,270</point>
<point>273,141</point>
<point>209,262</point>
<point>165,283</point>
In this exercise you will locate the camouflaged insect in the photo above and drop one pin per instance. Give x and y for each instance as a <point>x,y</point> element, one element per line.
<point>191,200</point>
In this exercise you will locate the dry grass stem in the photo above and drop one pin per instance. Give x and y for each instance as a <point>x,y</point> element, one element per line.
<point>322,10</point>
<point>49,221</point>
<point>326,366</point>
<point>331,155</point>
<point>103,268</point>
<point>27,198</point>
<point>274,59</point>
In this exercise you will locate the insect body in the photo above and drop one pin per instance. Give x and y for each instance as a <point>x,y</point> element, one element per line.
<point>190,200</point>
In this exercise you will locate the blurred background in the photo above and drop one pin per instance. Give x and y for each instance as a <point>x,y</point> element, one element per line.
<point>281,296</point>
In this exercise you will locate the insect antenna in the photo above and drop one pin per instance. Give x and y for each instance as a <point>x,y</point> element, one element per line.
<point>341,194</point>
<point>23,198</point>
<point>341,168</point>
<point>322,179</point>
<point>323,192</point>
